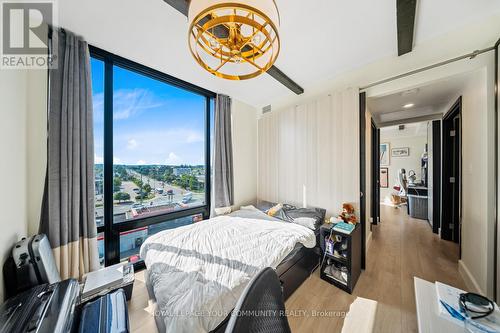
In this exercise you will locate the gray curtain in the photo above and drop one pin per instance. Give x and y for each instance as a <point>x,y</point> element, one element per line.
<point>68,208</point>
<point>223,154</point>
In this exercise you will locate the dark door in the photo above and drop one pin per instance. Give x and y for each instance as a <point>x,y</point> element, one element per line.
<point>450,228</point>
<point>362,176</point>
<point>375,185</point>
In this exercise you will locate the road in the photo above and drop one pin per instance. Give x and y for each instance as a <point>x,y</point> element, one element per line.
<point>158,200</point>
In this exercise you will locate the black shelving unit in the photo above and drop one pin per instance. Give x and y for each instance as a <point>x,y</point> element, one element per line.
<point>351,259</point>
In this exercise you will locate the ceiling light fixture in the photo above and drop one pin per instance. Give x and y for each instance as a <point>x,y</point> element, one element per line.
<point>235,40</point>
<point>409,105</point>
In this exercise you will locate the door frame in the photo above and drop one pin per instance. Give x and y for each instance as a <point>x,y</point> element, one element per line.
<point>446,232</point>
<point>496,256</point>
<point>436,175</point>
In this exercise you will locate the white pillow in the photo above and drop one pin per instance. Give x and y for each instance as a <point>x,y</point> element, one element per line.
<point>307,222</point>
<point>222,210</point>
<point>249,207</point>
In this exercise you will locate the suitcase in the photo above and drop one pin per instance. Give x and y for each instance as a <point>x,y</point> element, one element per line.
<point>108,314</point>
<point>32,263</point>
<point>42,309</point>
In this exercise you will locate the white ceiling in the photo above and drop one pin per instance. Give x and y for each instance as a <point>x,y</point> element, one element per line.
<point>430,99</point>
<point>320,38</point>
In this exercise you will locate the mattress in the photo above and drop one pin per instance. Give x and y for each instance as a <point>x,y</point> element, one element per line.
<point>205,266</point>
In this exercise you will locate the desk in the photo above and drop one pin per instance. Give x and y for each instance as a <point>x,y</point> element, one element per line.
<point>427,310</point>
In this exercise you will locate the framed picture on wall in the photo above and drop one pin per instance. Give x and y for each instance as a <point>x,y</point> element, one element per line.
<point>384,154</point>
<point>384,177</point>
<point>400,152</point>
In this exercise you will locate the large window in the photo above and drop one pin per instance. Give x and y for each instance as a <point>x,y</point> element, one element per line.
<point>152,144</point>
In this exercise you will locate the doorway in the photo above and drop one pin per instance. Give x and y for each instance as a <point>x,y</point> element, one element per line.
<point>452,173</point>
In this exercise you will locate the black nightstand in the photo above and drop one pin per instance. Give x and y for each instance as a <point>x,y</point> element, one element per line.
<point>343,268</point>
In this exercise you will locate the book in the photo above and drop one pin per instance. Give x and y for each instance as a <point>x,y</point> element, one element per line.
<point>345,228</point>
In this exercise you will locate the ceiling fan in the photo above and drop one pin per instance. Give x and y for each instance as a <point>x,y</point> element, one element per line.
<point>235,40</point>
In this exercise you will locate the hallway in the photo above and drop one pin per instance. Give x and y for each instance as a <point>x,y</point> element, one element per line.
<point>401,248</point>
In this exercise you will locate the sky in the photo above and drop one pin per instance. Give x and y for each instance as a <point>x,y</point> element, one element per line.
<point>153,122</point>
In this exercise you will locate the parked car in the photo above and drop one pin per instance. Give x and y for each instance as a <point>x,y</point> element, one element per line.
<point>187,197</point>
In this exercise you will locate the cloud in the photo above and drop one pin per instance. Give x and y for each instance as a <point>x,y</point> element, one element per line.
<point>116,160</point>
<point>194,136</point>
<point>129,102</point>
<point>140,162</point>
<point>173,159</point>
<point>132,144</point>
<point>151,138</point>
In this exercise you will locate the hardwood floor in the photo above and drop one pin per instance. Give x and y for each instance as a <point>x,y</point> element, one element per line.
<point>401,248</point>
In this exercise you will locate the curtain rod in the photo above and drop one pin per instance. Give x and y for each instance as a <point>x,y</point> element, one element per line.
<point>471,55</point>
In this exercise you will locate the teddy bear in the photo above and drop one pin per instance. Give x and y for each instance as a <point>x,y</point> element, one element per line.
<point>347,214</point>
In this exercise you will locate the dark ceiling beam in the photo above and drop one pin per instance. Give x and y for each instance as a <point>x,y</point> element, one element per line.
<point>281,77</point>
<point>406,10</point>
<point>183,7</point>
<point>180,5</point>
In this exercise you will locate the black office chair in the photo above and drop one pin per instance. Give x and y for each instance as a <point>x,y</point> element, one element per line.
<point>261,308</point>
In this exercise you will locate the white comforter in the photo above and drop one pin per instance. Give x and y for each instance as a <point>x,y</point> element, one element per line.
<point>198,272</point>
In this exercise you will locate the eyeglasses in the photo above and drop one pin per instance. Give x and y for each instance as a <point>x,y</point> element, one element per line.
<point>476,306</point>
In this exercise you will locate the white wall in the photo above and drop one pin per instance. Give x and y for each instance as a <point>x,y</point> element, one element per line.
<point>412,162</point>
<point>244,130</point>
<point>310,145</point>
<point>36,145</point>
<point>13,150</point>
<point>477,182</point>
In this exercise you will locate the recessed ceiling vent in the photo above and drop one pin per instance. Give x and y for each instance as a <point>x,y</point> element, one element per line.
<point>266,109</point>
<point>401,127</point>
<point>410,92</point>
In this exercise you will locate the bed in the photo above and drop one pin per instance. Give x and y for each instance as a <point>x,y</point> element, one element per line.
<point>195,274</point>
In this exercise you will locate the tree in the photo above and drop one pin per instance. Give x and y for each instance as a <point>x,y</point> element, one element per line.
<point>147,189</point>
<point>122,196</point>
<point>117,183</point>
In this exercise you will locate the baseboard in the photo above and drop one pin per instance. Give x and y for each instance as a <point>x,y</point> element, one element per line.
<point>469,279</point>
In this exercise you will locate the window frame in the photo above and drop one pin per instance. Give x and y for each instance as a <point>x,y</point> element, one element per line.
<point>110,229</point>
